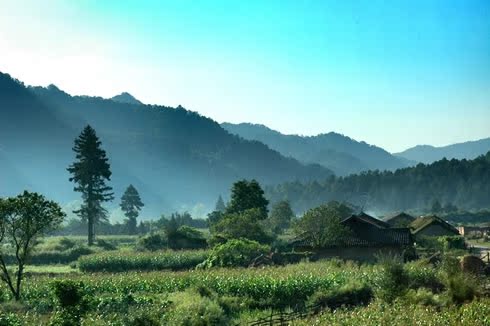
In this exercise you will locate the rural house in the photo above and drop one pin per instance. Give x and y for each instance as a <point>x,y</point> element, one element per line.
<point>369,237</point>
<point>402,220</point>
<point>432,226</point>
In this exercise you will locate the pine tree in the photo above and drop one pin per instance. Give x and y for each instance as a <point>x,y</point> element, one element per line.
<point>90,172</point>
<point>220,205</point>
<point>131,204</point>
<point>246,195</point>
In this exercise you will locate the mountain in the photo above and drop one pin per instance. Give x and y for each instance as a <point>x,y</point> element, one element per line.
<point>339,153</point>
<point>429,154</point>
<point>463,183</point>
<point>125,97</point>
<point>173,156</point>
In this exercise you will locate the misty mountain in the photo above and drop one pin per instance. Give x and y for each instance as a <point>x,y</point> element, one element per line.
<point>464,183</point>
<point>173,156</point>
<point>429,154</point>
<point>125,97</point>
<point>339,153</point>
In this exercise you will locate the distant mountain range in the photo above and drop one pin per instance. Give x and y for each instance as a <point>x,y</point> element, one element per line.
<point>336,152</point>
<point>174,157</point>
<point>429,154</point>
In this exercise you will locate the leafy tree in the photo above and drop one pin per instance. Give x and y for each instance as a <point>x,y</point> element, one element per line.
<point>322,227</point>
<point>131,204</point>
<point>247,195</point>
<point>242,225</point>
<point>280,216</point>
<point>23,219</point>
<point>220,205</point>
<point>90,172</point>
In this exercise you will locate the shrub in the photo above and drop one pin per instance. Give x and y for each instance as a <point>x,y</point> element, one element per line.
<point>153,242</point>
<point>423,297</point>
<point>105,245</point>
<point>393,279</point>
<point>65,244</point>
<point>9,319</point>
<point>192,309</point>
<point>234,253</point>
<point>472,264</point>
<point>350,294</point>
<point>186,237</point>
<point>452,242</point>
<point>71,299</point>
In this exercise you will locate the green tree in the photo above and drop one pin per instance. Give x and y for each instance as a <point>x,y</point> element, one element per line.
<point>280,216</point>
<point>23,219</point>
<point>242,225</point>
<point>131,205</point>
<point>90,172</point>
<point>322,227</point>
<point>220,205</point>
<point>246,195</point>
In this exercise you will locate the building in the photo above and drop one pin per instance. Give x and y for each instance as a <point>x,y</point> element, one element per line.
<point>369,237</point>
<point>402,220</point>
<point>432,226</point>
<point>478,231</point>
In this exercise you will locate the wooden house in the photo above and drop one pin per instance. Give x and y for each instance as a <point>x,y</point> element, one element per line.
<point>402,220</point>
<point>432,226</point>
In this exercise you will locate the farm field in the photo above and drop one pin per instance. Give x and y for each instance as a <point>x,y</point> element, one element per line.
<point>117,290</point>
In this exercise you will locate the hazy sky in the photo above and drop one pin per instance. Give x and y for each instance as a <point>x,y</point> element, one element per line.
<point>391,73</point>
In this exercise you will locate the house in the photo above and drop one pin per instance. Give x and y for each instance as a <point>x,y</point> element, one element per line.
<point>479,231</point>
<point>368,238</point>
<point>401,220</point>
<point>432,226</point>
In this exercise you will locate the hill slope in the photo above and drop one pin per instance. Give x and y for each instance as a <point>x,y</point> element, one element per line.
<point>429,154</point>
<point>339,153</point>
<point>463,183</point>
<point>173,156</point>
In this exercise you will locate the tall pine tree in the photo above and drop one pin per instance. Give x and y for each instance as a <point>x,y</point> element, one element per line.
<point>131,204</point>
<point>90,172</point>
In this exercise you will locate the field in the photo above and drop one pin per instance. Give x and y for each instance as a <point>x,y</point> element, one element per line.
<point>122,286</point>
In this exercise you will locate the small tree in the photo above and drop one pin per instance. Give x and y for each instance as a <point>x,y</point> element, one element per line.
<point>322,227</point>
<point>280,216</point>
<point>436,206</point>
<point>131,204</point>
<point>22,220</point>
<point>90,173</point>
<point>246,195</point>
<point>220,205</point>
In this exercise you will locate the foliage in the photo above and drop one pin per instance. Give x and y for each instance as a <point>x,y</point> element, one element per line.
<point>242,225</point>
<point>465,183</point>
<point>280,216</point>
<point>247,195</point>
<point>350,294</point>
<point>220,205</point>
<point>235,253</point>
<point>321,226</point>
<point>452,242</point>
<point>124,261</point>
<point>90,173</point>
<point>131,204</point>
<point>23,219</point>
<point>186,237</point>
<point>393,279</point>
<point>193,309</point>
<point>153,242</point>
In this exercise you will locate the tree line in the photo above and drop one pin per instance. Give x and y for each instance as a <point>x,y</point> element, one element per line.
<point>450,183</point>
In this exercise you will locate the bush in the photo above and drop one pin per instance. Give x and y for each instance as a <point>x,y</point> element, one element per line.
<point>71,299</point>
<point>186,237</point>
<point>105,245</point>
<point>192,309</point>
<point>393,280</point>
<point>235,253</point>
<point>153,242</point>
<point>423,297</point>
<point>452,242</point>
<point>348,295</point>
<point>118,261</point>
<point>9,319</point>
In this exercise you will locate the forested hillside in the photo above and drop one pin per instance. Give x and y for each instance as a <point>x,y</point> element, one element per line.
<point>172,155</point>
<point>339,153</point>
<point>464,183</point>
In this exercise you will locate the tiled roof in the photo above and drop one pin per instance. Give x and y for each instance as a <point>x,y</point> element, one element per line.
<point>400,219</point>
<point>424,221</point>
<point>367,219</point>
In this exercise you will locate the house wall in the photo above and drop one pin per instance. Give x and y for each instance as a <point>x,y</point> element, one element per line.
<point>362,254</point>
<point>435,230</point>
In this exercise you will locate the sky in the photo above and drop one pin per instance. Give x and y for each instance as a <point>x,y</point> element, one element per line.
<point>392,73</point>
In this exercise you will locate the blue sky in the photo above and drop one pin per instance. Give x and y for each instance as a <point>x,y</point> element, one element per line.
<point>391,73</point>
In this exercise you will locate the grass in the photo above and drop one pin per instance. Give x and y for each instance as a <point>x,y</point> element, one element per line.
<point>50,269</point>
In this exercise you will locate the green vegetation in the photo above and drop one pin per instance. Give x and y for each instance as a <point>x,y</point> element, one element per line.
<point>124,261</point>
